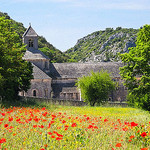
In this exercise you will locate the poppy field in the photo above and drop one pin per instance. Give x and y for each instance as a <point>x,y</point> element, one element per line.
<point>74,128</point>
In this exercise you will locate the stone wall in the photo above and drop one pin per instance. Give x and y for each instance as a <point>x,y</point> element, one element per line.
<point>39,88</point>
<point>66,89</point>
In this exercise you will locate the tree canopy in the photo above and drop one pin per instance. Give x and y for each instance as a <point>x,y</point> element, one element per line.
<point>136,72</point>
<point>96,87</point>
<point>15,73</point>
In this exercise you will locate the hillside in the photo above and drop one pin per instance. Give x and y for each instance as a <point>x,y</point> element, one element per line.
<point>103,45</point>
<point>53,53</point>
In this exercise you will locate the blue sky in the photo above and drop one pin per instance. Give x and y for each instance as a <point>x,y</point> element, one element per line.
<point>63,22</point>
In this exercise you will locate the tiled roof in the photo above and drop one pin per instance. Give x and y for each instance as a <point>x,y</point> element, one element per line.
<point>38,73</point>
<point>30,32</point>
<point>75,70</point>
<point>34,54</point>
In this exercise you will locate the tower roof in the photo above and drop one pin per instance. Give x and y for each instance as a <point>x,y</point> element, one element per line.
<point>30,32</point>
<point>34,55</point>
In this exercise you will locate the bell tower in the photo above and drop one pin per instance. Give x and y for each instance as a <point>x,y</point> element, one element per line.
<point>30,38</point>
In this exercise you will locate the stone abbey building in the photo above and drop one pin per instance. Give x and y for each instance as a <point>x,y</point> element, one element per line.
<point>57,80</point>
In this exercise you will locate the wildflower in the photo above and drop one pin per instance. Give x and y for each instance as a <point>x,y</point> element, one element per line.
<point>42,149</point>
<point>53,136</point>
<point>105,120</point>
<point>132,136</point>
<point>87,118</point>
<point>43,108</point>
<point>133,124</point>
<point>10,119</point>
<point>41,126</point>
<point>18,119</point>
<point>59,135</point>
<point>144,148</point>
<point>34,126</point>
<point>3,140</point>
<point>74,125</point>
<point>6,125</point>
<point>45,145</point>
<point>58,138</point>
<point>44,114</point>
<point>3,114</point>
<point>118,145</point>
<point>50,133</point>
<point>144,134</point>
<point>63,121</point>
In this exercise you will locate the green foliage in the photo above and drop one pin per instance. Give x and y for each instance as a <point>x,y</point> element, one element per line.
<point>15,73</point>
<point>136,72</point>
<point>96,87</point>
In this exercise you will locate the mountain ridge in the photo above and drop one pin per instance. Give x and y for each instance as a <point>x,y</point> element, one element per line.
<point>103,45</point>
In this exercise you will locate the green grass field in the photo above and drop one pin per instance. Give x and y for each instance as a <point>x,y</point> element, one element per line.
<point>74,128</point>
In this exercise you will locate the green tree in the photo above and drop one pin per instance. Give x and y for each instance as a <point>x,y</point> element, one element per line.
<point>15,73</point>
<point>136,72</point>
<point>96,87</point>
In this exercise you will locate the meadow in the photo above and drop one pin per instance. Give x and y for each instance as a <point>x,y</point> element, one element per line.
<point>56,127</point>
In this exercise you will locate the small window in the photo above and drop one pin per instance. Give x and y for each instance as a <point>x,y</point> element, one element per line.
<point>46,65</point>
<point>30,43</point>
<point>34,93</point>
<point>46,92</point>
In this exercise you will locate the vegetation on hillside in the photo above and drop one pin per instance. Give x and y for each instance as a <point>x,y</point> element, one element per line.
<point>136,72</point>
<point>48,49</point>
<point>15,73</point>
<point>103,45</point>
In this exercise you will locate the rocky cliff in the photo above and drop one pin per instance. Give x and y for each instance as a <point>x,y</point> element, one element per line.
<point>103,46</point>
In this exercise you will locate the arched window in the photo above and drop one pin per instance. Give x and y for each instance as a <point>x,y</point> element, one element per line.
<point>30,43</point>
<point>34,93</point>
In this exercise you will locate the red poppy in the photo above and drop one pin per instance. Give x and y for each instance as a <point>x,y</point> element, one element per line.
<point>45,145</point>
<point>18,119</point>
<point>144,148</point>
<point>41,126</point>
<point>60,135</point>
<point>3,114</point>
<point>6,125</point>
<point>63,121</point>
<point>10,119</point>
<point>105,120</point>
<point>118,145</point>
<point>87,118</point>
<point>58,138</point>
<point>44,114</point>
<point>34,126</point>
<point>132,136</point>
<point>43,108</point>
<point>74,125</point>
<point>53,136</point>
<point>42,149</point>
<point>50,133</point>
<point>133,124</point>
<point>3,140</point>
<point>144,134</point>
<point>36,119</point>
